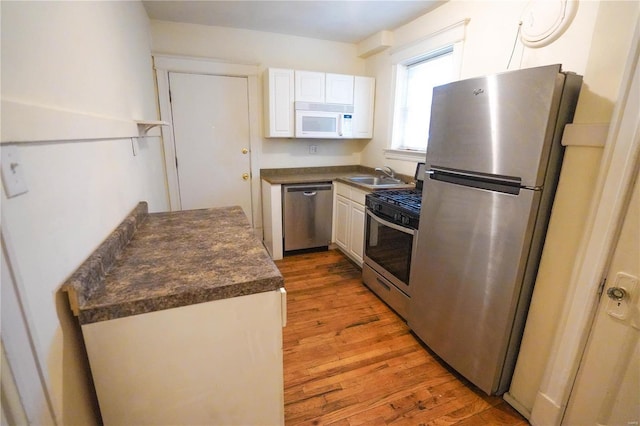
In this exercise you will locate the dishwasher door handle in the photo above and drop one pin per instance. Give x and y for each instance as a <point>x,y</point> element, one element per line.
<point>309,193</point>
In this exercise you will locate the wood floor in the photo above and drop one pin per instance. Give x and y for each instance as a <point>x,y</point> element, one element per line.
<point>350,360</point>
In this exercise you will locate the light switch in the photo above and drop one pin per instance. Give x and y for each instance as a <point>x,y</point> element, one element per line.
<point>12,174</point>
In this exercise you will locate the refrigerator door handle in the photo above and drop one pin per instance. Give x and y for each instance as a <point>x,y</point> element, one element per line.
<point>497,183</point>
<point>507,180</point>
<point>531,188</point>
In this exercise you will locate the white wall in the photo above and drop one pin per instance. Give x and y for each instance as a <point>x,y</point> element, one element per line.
<point>80,61</point>
<point>490,36</point>
<point>491,32</point>
<point>269,50</point>
<point>613,26</point>
<point>90,61</point>
<point>595,46</point>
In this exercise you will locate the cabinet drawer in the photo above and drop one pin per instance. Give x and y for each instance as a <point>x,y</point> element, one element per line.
<point>358,196</point>
<point>349,192</point>
<point>342,189</point>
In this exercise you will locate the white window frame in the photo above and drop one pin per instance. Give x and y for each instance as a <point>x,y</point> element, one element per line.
<point>451,36</point>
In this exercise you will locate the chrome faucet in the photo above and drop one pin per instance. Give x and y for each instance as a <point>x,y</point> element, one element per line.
<point>389,171</point>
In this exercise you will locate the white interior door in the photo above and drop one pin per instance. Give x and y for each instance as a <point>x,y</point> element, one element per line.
<point>607,387</point>
<point>211,133</point>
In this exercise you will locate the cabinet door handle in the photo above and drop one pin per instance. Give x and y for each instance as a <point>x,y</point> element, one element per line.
<point>245,176</point>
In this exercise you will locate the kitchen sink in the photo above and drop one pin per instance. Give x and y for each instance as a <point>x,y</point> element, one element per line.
<point>376,181</point>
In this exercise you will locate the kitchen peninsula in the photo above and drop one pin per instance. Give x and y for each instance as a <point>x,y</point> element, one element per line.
<point>182,317</point>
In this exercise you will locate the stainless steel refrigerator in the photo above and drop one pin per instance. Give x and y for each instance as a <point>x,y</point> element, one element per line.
<point>493,160</point>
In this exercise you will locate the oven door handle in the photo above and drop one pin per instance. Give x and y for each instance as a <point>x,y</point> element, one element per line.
<point>391,225</point>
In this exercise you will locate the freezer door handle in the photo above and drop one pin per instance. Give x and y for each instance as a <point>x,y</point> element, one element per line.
<point>507,180</point>
<point>498,183</point>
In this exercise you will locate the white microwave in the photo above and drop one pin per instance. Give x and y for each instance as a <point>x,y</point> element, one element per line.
<point>329,121</point>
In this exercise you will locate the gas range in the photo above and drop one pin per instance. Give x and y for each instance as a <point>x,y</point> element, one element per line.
<point>390,238</point>
<point>399,206</point>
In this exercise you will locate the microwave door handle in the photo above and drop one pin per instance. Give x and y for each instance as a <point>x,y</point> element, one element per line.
<point>339,124</point>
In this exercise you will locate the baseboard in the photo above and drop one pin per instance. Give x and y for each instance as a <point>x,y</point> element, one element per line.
<point>545,412</point>
<point>517,405</point>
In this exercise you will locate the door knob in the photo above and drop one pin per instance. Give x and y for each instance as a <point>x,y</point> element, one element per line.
<point>245,176</point>
<point>616,293</point>
<point>245,150</point>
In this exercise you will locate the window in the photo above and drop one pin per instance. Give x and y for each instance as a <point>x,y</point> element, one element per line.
<point>418,68</point>
<point>413,105</point>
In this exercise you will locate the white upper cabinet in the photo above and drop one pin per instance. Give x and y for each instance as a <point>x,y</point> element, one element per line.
<point>339,89</point>
<point>364,94</point>
<point>310,86</point>
<point>279,96</point>
<point>327,88</point>
<point>283,87</point>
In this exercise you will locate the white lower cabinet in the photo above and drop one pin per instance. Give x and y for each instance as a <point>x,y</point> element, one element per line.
<point>217,362</point>
<point>341,211</point>
<point>356,232</point>
<point>349,220</point>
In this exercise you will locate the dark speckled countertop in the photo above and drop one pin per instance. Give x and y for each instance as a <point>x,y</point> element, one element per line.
<point>173,259</point>
<point>327,174</point>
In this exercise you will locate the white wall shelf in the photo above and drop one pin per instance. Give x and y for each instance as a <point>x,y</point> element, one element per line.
<point>145,125</point>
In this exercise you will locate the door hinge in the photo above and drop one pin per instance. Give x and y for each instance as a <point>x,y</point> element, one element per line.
<point>176,162</point>
<point>601,287</point>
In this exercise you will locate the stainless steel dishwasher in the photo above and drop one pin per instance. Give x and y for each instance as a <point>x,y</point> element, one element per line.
<point>307,211</point>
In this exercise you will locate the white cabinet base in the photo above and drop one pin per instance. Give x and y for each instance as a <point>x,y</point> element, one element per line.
<point>218,362</point>
<point>349,221</point>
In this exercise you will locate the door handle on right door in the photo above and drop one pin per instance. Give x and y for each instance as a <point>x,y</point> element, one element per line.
<point>621,295</point>
<point>616,293</point>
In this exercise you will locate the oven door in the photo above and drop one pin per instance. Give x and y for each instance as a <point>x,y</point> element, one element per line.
<point>388,250</point>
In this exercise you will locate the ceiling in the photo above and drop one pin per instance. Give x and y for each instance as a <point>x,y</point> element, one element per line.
<point>349,21</point>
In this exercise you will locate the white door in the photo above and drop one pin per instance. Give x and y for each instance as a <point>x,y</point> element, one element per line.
<point>211,134</point>
<point>607,387</point>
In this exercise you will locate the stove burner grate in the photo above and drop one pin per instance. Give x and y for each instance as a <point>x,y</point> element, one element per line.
<point>410,200</point>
